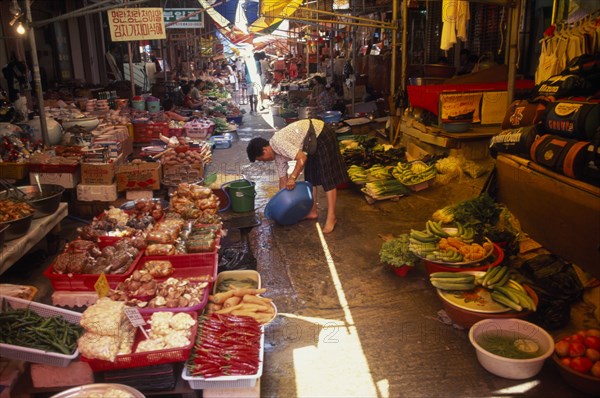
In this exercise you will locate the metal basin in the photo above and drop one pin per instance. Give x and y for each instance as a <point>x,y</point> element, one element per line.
<point>2,229</point>
<point>44,204</point>
<point>16,228</point>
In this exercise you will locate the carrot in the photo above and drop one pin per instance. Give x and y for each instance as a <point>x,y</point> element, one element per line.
<point>244,313</point>
<point>231,301</point>
<point>212,307</point>
<point>228,310</point>
<point>220,298</point>
<point>243,292</point>
<point>254,307</point>
<point>263,318</point>
<point>252,299</point>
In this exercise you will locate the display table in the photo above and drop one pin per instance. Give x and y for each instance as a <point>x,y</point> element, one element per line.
<point>13,250</point>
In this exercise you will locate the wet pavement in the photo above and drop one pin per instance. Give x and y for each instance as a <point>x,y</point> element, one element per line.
<point>347,325</point>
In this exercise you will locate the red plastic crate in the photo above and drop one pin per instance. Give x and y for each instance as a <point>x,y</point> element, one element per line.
<point>147,132</point>
<point>85,282</point>
<point>188,265</point>
<point>149,358</point>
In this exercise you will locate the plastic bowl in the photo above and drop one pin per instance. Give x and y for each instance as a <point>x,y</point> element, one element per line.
<point>331,116</point>
<point>456,127</point>
<point>507,367</point>
<point>583,382</point>
<point>288,207</point>
<point>466,318</point>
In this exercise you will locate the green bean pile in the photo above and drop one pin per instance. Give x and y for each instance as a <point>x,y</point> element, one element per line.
<point>23,327</point>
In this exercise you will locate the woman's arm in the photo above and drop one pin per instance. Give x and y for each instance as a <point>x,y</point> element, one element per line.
<point>300,162</point>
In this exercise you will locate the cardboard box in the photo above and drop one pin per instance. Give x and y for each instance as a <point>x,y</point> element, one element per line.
<point>102,193</point>
<point>359,93</point>
<point>137,195</point>
<point>67,180</point>
<point>97,173</point>
<point>560,213</point>
<point>182,168</point>
<point>144,176</point>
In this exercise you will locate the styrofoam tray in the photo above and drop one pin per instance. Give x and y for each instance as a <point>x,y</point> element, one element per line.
<point>200,383</point>
<point>32,354</point>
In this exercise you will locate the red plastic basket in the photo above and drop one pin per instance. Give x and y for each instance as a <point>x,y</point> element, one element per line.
<point>85,282</point>
<point>148,132</point>
<point>135,360</point>
<point>205,265</point>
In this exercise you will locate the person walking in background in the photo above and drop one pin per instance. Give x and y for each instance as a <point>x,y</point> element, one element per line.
<point>325,167</point>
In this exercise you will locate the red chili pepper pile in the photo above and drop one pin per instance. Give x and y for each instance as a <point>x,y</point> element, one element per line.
<point>228,345</point>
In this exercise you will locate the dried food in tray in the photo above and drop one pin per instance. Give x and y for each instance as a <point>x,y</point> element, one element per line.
<point>86,282</point>
<point>34,355</point>
<point>148,358</point>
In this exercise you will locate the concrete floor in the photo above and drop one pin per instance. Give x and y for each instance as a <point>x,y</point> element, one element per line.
<point>347,325</point>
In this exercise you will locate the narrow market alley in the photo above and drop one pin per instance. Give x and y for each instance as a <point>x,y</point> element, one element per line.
<point>347,326</point>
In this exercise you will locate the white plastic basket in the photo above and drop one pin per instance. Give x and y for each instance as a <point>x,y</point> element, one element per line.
<point>200,383</point>
<point>31,354</point>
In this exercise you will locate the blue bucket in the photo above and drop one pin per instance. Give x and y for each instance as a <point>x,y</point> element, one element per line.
<point>288,207</point>
<point>153,106</point>
<point>140,105</point>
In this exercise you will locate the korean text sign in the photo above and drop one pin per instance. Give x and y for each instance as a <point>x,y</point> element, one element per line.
<point>128,24</point>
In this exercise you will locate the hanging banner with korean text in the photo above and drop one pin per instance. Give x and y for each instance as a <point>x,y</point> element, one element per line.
<point>128,24</point>
<point>189,18</point>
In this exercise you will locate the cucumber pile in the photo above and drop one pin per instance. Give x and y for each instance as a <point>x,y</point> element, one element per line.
<point>413,173</point>
<point>504,290</point>
<point>426,243</point>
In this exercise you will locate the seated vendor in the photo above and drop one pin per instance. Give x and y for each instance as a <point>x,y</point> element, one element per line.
<point>188,101</point>
<point>169,108</point>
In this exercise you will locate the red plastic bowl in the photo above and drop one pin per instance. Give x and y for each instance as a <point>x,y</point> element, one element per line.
<point>466,318</point>
<point>495,259</point>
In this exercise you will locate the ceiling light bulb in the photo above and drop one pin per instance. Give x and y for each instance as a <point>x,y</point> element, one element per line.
<point>20,28</point>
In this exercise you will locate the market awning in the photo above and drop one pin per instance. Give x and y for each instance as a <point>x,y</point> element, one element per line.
<point>272,12</point>
<point>229,19</point>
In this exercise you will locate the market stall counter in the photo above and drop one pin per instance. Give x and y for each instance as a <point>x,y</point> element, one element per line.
<point>13,250</point>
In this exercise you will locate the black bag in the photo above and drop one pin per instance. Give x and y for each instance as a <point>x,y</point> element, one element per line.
<point>562,155</point>
<point>563,86</point>
<point>514,141</point>
<point>569,119</point>
<point>309,146</point>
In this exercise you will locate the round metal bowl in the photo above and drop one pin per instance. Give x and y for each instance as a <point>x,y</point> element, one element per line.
<point>2,229</point>
<point>44,204</point>
<point>16,228</point>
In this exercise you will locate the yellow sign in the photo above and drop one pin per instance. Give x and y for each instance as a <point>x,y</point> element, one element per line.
<point>127,24</point>
<point>102,286</point>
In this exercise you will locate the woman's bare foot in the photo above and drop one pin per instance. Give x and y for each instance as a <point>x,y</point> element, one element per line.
<point>311,216</point>
<point>329,226</point>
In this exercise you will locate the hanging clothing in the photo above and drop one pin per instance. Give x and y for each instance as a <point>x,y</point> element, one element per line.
<point>562,44</point>
<point>455,18</point>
